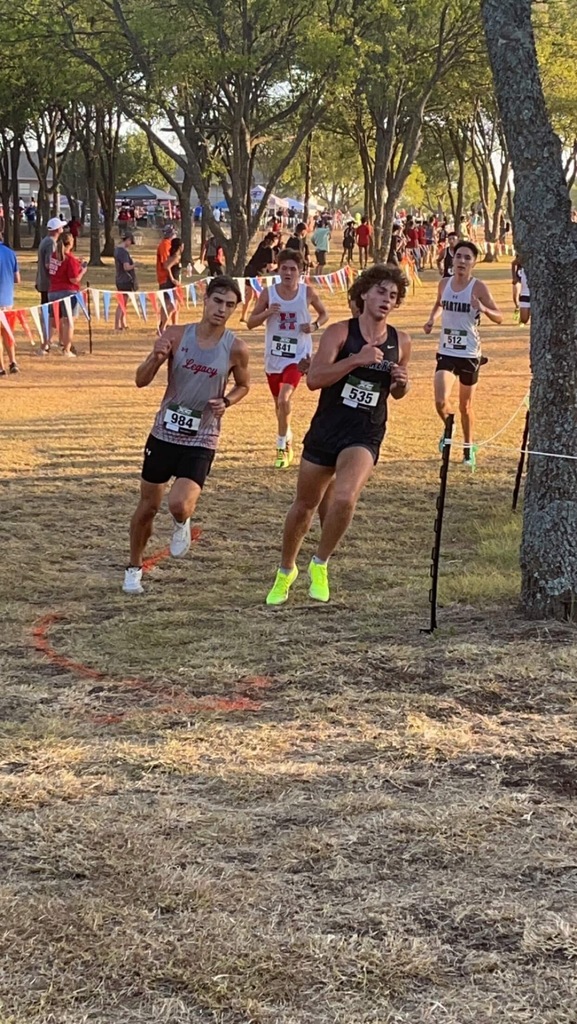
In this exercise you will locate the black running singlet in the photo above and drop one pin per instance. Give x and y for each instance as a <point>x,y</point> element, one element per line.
<point>354,410</point>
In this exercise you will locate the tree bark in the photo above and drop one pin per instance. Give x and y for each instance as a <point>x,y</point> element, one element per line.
<point>547,242</point>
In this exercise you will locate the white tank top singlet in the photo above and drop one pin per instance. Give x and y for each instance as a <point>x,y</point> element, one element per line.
<point>459,323</point>
<point>285,344</point>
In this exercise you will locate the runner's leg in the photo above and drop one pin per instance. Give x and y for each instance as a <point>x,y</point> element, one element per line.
<point>182,499</point>
<point>466,393</point>
<point>141,524</point>
<point>443,384</point>
<point>311,486</point>
<point>284,411</point>
<point>353,469</point>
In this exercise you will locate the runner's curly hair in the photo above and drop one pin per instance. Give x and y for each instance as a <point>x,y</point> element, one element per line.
<point>377,275</point>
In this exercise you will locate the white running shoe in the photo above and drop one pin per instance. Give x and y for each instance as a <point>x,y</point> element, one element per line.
<point>133,580</point>
<point>180,541</point>
<point>69,355</point>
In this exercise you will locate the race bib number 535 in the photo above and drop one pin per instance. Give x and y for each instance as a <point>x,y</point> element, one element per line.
<point>357,392</point>
<point>180,420</point>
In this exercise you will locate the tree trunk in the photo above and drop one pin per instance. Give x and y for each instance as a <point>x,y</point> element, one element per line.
<point>93,206</point>
<point>15,151</point>
<point>547,242</point>
<point>308,177</point>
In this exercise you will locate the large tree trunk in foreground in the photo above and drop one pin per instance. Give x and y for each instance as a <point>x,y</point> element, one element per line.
<point>547,241</point>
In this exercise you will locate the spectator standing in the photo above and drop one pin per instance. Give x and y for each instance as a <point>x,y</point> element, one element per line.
<point>349,236</point>
<point>364,234</point>
<point>321,240</point>
<point>162,275</point>
<point>125,277</point>
<point>213,256</point>
<point>66,273</point>
<point>30,214</point>
<point>9,276</point>
<point>46,250</point>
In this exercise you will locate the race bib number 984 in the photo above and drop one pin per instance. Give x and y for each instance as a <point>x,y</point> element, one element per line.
<point>357,392</point>
<point>180,420</point>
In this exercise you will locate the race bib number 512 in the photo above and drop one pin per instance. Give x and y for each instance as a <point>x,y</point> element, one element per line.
<point>456,341</point>
<point>180,420</point>
<point>357,392</point>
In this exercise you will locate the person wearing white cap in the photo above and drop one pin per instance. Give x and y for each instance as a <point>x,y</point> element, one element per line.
<point>46,249</point>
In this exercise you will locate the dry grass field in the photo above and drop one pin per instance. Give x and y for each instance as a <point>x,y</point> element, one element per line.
<point>218,813</point>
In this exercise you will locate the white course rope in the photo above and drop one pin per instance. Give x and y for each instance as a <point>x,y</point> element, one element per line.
<point>529,451</point>
<point>483,444</point>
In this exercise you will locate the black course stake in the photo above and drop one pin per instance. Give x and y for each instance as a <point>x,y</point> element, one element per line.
<point>521,465</point>
<point>436,553</point>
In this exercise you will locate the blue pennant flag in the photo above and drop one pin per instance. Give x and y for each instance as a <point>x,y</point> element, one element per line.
<point>82,304</point>
<point>106,304</point>
<point>192,292</point>
<point>46,319</point>
<point>142,300</point>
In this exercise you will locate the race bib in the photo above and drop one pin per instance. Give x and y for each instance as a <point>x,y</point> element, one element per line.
<point>284,347</point>
<point>364,393</point>
<point>456,341</point>
<point>180,420</point>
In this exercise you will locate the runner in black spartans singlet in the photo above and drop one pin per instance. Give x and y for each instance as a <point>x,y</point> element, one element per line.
<point>359,362</point>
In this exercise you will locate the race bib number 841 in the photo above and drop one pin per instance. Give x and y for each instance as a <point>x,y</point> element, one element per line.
<point>284,347</point>
<point>357,392</point>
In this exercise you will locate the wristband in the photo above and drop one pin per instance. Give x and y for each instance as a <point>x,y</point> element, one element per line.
<point>315,325</point>
<point>226,401</point>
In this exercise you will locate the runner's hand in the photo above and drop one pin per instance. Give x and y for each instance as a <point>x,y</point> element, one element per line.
<point>217,407</point>
<point>368,355</point>
<point>399,375</point>
<point>273,309</point>
<point>162,346</point>
<point>429,326</point>
<point>477,304</point>
<point>304,364</point>
<point>306,328</point>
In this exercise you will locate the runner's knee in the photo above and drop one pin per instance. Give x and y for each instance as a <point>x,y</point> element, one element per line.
<point>179,508</point>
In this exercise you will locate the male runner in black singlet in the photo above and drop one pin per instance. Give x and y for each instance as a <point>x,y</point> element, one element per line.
<point>359,362</point>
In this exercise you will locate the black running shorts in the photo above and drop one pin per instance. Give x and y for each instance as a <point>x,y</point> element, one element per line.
<point>163,460</point>
<point>467,370</point>
<point>324,457</point>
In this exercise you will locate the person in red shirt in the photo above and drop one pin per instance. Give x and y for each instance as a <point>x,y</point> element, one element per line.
<point>66,273</point>
<point>162,274</point>
<point>412,235</point>
<point>364,234</point>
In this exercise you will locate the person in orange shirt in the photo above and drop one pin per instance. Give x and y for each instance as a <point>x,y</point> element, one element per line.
<point>162,274</point>
<point>364,234</point>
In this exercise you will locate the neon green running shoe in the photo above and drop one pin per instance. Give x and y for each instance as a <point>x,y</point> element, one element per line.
<point>281,461</point>
<point>470,456</point>
<point>319,576</point>
<point>282,584</point>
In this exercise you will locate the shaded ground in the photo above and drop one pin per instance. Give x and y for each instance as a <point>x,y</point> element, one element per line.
<point>386,833</point>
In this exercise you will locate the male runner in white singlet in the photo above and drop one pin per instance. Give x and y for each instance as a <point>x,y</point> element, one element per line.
<point>185,433</point>
<point>284,309</point>
<point>462,298</point>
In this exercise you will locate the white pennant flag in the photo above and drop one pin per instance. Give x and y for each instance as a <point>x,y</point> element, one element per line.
<point>160,297</point>
<point>68,307</point>
<point>132,297</point>
<point>35,314</point>
<point>96,300</point>
<point>242,287</point>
